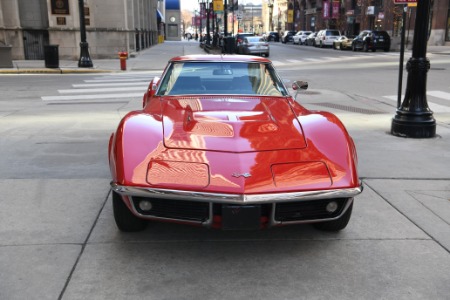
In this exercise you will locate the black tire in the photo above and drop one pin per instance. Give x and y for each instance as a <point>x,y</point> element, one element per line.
<point>267,54</point>
<point>353,48</point>
<point>125,220</point>
<point>334,46</point>
<point>338,224</point>
<point>386,49</point>
<point>365,47</point>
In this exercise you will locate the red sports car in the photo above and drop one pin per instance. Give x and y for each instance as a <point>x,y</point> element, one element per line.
<point>221,143</point>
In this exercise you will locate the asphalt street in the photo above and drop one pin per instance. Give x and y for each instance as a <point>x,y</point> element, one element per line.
<point>58,239</point>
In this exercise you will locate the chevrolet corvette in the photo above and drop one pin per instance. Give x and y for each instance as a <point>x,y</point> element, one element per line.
<point>220,142</point>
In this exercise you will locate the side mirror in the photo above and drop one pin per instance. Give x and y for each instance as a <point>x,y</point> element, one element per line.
<point>150,91</point>
<point>299,85</point>
<point>303,85</point>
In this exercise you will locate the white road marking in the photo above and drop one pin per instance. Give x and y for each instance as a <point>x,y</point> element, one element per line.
<point>143,83</point>
<point>439,94</point>
<point>102,90</point>
<point>91,97</point>
<point>433,106</point>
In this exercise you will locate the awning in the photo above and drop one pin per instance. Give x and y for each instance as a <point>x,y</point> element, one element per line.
<point>160,17</point>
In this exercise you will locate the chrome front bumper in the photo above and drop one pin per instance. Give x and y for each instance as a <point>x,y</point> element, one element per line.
<point>234,198</point>
<point>239,199</point>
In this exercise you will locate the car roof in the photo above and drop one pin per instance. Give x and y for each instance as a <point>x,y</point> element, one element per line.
<point>220,58</point>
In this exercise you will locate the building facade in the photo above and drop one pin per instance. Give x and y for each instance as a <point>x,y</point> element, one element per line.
<point>173,20</point>
<point>111,26</point>
<point>353,16</point>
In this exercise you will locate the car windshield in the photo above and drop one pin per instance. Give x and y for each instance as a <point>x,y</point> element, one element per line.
<point>218,78</point>
<point>332,32</point>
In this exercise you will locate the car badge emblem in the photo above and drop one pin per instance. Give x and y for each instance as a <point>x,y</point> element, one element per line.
<point>245,175</point>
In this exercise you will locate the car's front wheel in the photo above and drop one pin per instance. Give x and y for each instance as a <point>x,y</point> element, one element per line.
<point>338,224</point>
<point>125,220</point>
<point>353,48</point>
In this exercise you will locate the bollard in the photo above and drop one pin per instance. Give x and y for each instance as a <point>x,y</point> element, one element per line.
<point>123,55</point>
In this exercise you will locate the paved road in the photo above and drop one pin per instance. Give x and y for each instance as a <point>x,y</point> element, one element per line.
<point>58,239</point>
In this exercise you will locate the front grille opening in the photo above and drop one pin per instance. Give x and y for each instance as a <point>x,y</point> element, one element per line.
<point>307,210</point>
<point>174,209</point>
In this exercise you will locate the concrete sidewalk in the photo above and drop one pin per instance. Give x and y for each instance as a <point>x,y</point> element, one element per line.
<point>154,58</point>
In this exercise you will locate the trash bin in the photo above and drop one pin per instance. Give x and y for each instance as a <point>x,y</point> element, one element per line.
<point>5,56</point>
<point>230,45</point>
<point>51,56</point>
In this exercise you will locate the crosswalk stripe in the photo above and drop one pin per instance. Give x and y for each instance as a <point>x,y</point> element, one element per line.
<point>92,97</point>
<point>143,83</point>
<point>433,106</point>
<point>439,94</point>
<point>116,80</point>
<point>101,90</point>
<point>293,60</point>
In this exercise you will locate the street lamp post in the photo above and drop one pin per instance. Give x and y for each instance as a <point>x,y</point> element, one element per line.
<point>85,60</point>
<point>414,118</point>
<point>270,5</point>
<point>202,11</point>
<point>208,32</point>
<point>225,18</point>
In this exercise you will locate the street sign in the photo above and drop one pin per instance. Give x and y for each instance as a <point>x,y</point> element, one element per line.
<point>218,5</point>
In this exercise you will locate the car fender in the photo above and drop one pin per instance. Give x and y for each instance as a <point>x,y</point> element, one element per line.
<point>328,141</point>
<point>138,135</point>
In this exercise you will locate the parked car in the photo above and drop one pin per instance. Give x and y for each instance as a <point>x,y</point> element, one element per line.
<point>342,43</point>
<point>221,143</point>
<point>300,37</point>
<point>372,40</point>
<point>272,36</point>
<point>287,37</point>
<point>326,37</point>
<point>254,45</point>
<point>311,39</point>
<point>239,38</point>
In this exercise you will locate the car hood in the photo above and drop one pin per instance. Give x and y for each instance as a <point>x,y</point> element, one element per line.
<point>230,124</point>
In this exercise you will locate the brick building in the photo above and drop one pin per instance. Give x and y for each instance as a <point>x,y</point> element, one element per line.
<point>352,16</point>
<point>111,26</point>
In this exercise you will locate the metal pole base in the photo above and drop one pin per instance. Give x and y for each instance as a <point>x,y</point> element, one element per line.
<point>85,60</point>
<point>413,118</point>
<point>413,126</point>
